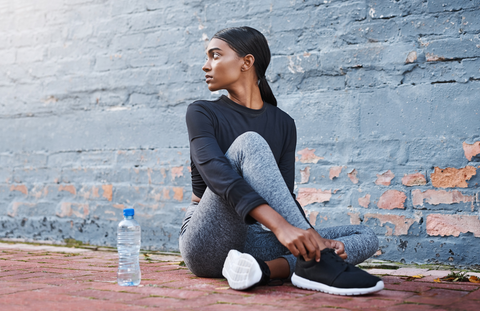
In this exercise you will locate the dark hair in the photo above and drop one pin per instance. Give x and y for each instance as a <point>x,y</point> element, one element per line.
<point>246,40</point>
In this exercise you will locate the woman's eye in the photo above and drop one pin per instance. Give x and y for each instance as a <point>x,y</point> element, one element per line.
<point>216,55</point>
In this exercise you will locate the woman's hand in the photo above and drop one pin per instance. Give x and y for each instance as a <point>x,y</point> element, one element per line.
<point>339,248</point>
<point>306,243</point>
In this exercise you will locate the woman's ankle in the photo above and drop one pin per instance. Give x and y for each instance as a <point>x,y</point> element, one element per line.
<point>279,268</point>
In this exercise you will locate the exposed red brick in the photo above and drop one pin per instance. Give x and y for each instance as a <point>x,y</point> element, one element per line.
<point>178,193</point>
<point>391,199</point>
<point>156,194</point>
<point>15,205</point>
<point>95,192</point>
<point>435,197</point>
<point>335,171</point>
<point>385,178</point>
<point>38,191</point>
<point>308,156</point>
<point>401,223</point>
<point>305,175</point>
<point>438,224</point>
<point>67,209</point>
<point>21,188</point>
<point>471,150</point>
<point>364,201</point>
<point>149,174</point>
<point>162,171</point>
<point>434,58</point>
<point>68,188</point>
<point>311,195</point>
<point>107,192</point>
<point>411,57</point>
<point>166,193</point>
<point>313,217</point>
<point>120,206</point>
<point>144,207</point>
<point>177,171</point>
<point>451,177</point>
<point>353,176</point>
<point>354,218</point>
<point>417,179</point>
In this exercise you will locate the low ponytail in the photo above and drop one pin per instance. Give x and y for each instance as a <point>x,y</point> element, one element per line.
<point>244,41</point>
<point>266,91</point>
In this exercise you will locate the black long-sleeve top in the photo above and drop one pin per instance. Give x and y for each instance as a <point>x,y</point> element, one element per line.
<point>212,128</point>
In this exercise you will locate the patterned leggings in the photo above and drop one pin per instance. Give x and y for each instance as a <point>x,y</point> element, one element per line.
<point>211,228</point>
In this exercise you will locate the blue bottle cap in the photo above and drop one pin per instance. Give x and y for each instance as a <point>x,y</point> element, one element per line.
<point>128,212</point>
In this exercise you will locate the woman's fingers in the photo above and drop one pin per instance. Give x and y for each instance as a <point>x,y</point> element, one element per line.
<point>316,254</point>
<point>311,248</point>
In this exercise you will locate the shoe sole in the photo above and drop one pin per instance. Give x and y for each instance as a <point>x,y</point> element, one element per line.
<point>241,270</point>
<point>298,281</point>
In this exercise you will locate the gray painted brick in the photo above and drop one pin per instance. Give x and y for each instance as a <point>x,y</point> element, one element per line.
<point>467,46</point>
<point>389,9</point>
<point>77,116</point>
<point>7,57</point>
<point>470,22</point>
<point>109,62</point>
<point>442,6</point>
<point>472,68</point>
<point>446,24</point>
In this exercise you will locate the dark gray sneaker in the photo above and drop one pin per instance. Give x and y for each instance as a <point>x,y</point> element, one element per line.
<point>333,275</point>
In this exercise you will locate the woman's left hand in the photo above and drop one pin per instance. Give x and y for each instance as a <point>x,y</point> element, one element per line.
<point>339,248</point>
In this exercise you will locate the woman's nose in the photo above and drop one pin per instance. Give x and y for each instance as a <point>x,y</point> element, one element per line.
<point>206,66</point>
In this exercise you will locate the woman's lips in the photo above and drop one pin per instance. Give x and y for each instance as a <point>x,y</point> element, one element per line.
<point>208,78</point>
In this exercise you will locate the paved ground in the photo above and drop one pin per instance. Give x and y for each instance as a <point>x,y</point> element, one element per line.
<point>59,278</point>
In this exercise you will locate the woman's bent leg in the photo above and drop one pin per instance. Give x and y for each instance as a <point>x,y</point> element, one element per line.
<point>360,241</point>
<point>214,227</point>
<point>251,155</point>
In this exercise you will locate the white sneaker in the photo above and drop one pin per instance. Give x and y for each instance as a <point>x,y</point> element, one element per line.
<point>243,271</point>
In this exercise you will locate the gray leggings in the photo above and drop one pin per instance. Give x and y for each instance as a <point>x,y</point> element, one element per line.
<point>211,228</point>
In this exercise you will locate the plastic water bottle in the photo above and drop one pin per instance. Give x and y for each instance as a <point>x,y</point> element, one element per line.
<point>128,246</point>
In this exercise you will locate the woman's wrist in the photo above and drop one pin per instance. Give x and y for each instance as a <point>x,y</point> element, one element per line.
<point>268,217</point>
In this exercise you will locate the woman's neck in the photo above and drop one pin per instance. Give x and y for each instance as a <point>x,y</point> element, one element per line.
<point>247,95</point>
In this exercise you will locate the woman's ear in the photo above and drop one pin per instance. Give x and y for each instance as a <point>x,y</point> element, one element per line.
<point>248,61</point>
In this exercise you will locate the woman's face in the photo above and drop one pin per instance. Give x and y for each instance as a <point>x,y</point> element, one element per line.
<point>223,66</point>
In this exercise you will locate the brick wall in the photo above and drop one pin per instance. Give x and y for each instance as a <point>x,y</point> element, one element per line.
<point>384,93</point>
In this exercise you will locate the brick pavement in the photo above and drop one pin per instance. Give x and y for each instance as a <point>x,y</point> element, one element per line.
<point>58,278</point>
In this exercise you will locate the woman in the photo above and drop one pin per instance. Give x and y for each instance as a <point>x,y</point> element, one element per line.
<point>244,221</point>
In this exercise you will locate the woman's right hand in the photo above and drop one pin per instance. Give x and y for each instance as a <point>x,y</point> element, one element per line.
<point>306,243</point>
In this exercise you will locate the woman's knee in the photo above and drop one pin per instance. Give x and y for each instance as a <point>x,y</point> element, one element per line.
<point>371,236</point>
<point>200,263</point>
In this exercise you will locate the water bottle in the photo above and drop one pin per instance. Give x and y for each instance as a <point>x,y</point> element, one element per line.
<point>128,246</point>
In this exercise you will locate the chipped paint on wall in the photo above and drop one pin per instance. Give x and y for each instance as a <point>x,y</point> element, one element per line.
<point>385,178</point>
<point>451,177</point>
<point>312,195</point>
<point>308,156</point>
<point>392,199</point>
<point>452,225</point>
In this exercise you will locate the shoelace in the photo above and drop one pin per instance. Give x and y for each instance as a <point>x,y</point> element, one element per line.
<point>338,258</point>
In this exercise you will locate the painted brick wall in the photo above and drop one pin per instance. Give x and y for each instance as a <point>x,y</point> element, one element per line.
<point>384,93</point>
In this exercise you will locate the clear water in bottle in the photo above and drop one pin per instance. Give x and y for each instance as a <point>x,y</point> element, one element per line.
<point>128,246</point>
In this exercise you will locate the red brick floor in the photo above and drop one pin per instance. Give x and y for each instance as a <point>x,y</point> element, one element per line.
<point>42,279</point>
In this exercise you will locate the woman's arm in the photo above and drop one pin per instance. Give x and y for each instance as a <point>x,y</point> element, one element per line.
<point>307,243</point>
<point>214,167</point>
<point>287,169</point>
